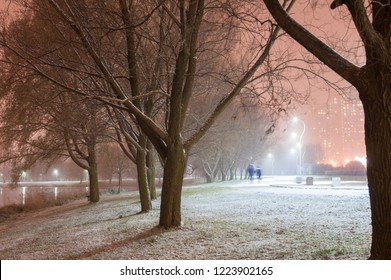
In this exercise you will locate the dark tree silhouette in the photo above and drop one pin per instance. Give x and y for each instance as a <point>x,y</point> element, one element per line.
<point>373,82</point>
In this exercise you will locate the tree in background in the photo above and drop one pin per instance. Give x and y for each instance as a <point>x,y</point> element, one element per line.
<point>133,144</point>
<point>238,138</point>
<point>112,161</point>
<point>372,81</point>
<point>38,125</point>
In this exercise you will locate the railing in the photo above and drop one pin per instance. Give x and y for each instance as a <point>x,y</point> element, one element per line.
<point>34,196</point>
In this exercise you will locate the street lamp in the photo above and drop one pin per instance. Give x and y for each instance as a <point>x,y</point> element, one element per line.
<point>270,156</point>
<point>295,120</point>
<point>24,175</point>
<point>55,172</point>
<point>85,175</point>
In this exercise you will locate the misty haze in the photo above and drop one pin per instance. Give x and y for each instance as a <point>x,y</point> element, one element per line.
<point>195,129</point>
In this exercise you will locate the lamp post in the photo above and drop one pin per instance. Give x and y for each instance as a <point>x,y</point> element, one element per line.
<point>270,156</point>
<point>296,119</point>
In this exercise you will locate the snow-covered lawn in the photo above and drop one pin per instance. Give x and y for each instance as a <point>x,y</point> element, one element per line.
<point>235,220</point>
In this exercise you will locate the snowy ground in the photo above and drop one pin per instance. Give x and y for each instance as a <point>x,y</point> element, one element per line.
<point>238,220</point>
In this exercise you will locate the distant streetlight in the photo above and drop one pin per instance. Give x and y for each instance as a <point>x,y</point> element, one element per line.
<point>270,156</point>
<point>24,175</point>
<point>55,172</point>
<point>85,175</point>
<point>295,120</point>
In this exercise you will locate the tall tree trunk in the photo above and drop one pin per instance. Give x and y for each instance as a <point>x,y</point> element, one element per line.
<point>93,172</point>
<point>377,107</point>
<point>151,170</point>
<point>174,168</point>
<point>232,174</point>
<point>208,178</point>
<point>119,181</point>
<point>94,182</point>
<point>145,197</point>
<point>223,175</point>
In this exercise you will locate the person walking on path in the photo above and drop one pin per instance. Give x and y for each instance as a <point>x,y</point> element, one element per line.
<point>251,171</point>
<point>259,173</point>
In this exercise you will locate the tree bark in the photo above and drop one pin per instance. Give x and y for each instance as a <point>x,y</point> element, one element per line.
<point>151,170</point>
<point>377,105</point>
<point>145,197</point>
<point>93,176</point>
<point>174,168</point>
<point>94,185</point>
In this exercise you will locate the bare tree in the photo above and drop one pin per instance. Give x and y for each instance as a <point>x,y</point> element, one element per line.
<point>97,49</point>
<point>82,140</point>
<point>372,80</point>
<point>133,143</point>
<point>39,126</point>
<point>237,139</point>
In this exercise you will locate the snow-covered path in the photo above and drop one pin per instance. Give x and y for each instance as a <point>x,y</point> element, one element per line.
<point>231,220</point>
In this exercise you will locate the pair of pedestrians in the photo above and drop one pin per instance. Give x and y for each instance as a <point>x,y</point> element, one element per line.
<point>252,171</point>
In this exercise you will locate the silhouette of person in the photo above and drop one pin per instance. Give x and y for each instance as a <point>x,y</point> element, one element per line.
<point>251,171</point>
<point>259,173</point>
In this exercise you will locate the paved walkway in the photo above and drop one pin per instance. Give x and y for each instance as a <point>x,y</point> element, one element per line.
<point>287,184</point>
